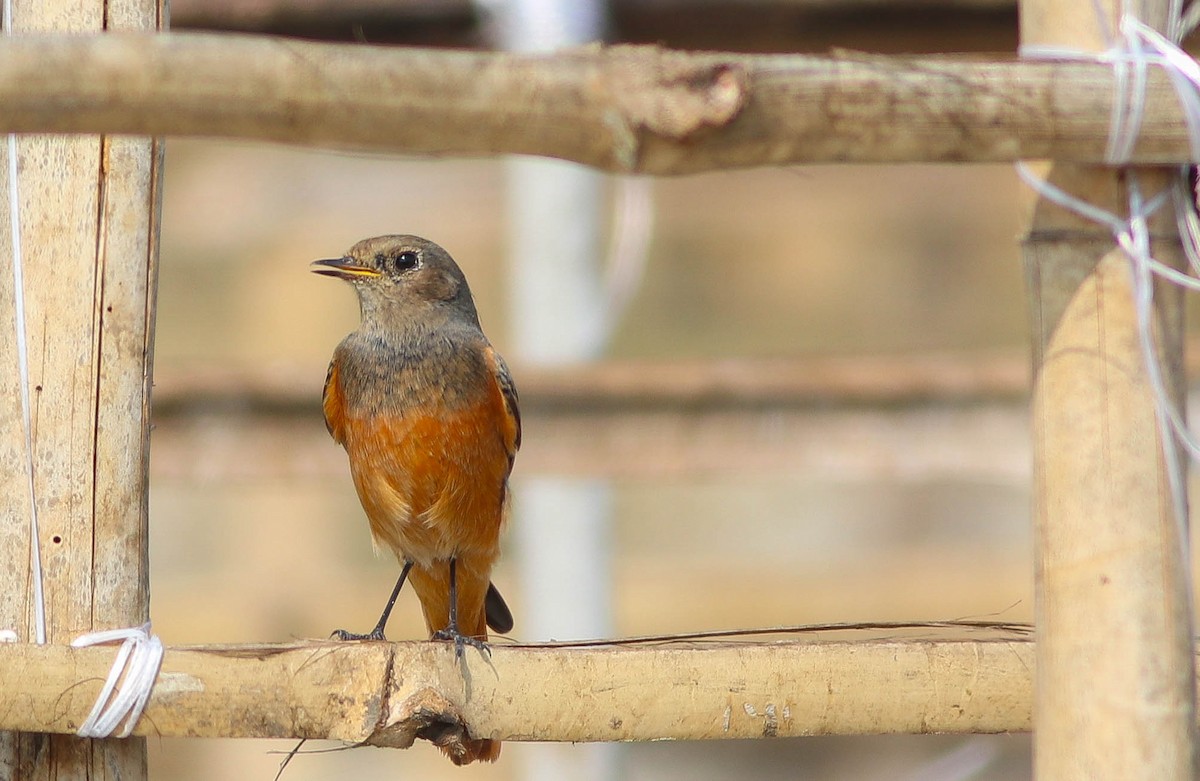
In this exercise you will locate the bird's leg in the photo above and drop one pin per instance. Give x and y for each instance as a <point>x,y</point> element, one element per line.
<point>452,632</point>
<point>377,632</point>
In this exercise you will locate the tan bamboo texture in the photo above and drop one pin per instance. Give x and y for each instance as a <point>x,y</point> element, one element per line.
<point>386,693</point>
<point>624,108</point>
<point>1115,688</point>
<point>88,210</point>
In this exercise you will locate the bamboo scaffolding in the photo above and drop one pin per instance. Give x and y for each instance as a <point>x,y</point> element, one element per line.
<point>1115,664</point>
<point>1115,669</point>
<point>988,443</point>
<point>731,25</point>
<point>88,214</point>
<point>233,15</point>
<point>889,418</point>
<point>388,694</point>
<point>615,386</point>
<point>915,417</point>
<point>625,108</point>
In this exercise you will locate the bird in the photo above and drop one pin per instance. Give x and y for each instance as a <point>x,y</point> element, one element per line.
<point>428,414</point>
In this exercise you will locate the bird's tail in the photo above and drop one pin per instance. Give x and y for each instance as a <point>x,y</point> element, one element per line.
<point>499,617</point>
<point>473,750</point>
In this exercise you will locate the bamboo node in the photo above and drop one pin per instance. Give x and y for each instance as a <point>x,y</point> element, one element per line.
<point>677,97</point>
<point>424,714</point>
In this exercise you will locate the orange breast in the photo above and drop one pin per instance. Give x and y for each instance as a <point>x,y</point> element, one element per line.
<point>432,483</point>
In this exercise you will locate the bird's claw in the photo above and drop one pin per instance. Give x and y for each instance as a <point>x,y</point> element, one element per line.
<point>460,641</point>
<point>374,634</point>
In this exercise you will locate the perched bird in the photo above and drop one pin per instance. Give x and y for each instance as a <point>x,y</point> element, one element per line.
<point>427,413</point>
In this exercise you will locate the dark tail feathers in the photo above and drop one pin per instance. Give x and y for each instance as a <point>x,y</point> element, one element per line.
<point>499,617</point>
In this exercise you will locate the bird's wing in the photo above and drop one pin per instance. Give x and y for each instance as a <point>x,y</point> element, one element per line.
<point>331,402</point>
<point>508,390</point>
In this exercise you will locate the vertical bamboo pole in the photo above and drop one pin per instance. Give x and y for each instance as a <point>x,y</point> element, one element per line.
<point>1115,685</point>
<point>562,527</point>
<point>89,212</point>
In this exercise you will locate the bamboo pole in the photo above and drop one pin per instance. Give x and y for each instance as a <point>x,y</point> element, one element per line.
<point>1115,683</point>
<point>89,215</point>
<point>984,442</point>
<point>624,108</point>
<point>387,694</point>
<point>330,15</point>
<point>623,386</point>
<point>826,418</point>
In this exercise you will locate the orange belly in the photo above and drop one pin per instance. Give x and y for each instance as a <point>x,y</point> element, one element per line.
<point>432,486</point>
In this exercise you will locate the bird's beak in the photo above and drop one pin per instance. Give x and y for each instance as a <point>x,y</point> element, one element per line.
<point>342,268</point>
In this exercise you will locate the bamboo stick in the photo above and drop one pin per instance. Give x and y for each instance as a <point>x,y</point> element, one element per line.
<point>88,216</point>
<point>330,14</point>
<point>625,108</point>
<point>986,442</point>
<point>1115,684</point>
<point>854,418</point>
<point>761,25</point>
<point>387,694</point>
<point>616,386</point>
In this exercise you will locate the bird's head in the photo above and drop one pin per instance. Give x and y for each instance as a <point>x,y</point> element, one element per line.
<point>403,277</point>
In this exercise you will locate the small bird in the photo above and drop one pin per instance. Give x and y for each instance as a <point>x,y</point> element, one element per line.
<point>427,412</point>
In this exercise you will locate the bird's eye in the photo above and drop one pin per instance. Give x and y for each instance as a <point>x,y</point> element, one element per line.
<point>406,261</point>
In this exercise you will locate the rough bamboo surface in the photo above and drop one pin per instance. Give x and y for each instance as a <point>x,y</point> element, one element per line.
<point>624,108</point>
<point>913,379</point>
<point>387,694</point>
<point>88,218</point>
<point>1115,669</point>
<point>1115,665</point>
<point>826,418</point>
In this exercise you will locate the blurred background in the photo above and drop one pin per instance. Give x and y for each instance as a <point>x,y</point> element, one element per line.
<point>751,398</point>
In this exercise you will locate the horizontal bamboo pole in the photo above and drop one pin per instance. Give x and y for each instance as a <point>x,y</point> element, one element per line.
<point>850,417</point>
<point>624,108</point>
<point>881,380</point>
<point>985,442</point>
<point>390,693</point>
<point>761,25</point>
<point>238,15</point>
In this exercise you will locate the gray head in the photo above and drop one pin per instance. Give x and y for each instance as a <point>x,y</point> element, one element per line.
<point>403,281</point>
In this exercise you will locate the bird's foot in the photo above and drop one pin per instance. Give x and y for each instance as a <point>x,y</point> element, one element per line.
<point>374,634</point>
<point>451,634</point>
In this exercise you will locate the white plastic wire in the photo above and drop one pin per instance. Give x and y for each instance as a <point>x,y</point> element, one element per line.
<point>134,671</point>
<point>1138,47</point>
<point>629,250</point>
<point>14,211</point>
<point>1133,237</point>
<point>1182,70</point>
